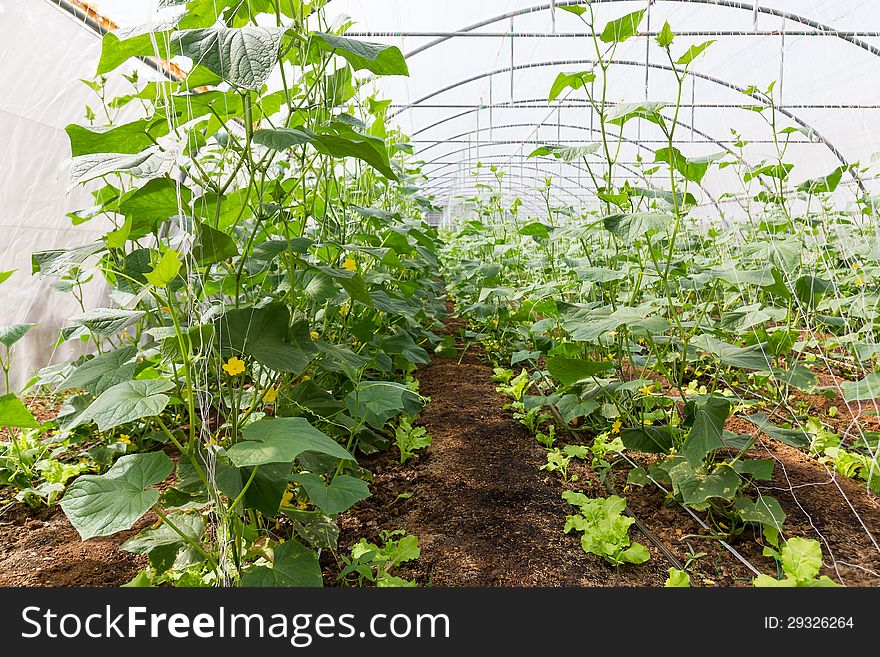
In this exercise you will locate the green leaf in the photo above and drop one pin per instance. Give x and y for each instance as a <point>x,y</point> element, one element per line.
<point>212,246</point>
<point>342,493</point>
<point>577,10</point>
<point>125,403</point>
<point>824,185</point>
<point>572,81</point>
<point>693,52</point>
<point>151,538</point>
<point>264,334</point>
<point>747,358</point>
<point>631,226</point>
<point>107,322</point>
<point>379,58</point>
<point>759,469</point>
<point>11,334</point>
<point>149,163</point>
<point>865,389</point>
<point>569,371</point>
<point>126,138</point>
<point>4,275</point>
<point>707,430</point>
<point>15,414</point>
<point>166,269</point>
<point>571,407</point>
<point>153,203</point>
<point>379,401</point>
<point>340,140</point>
<point>792,437</point>
<point>113,502</point>
<point>666,36</point>
<point>623,112</point>
<point>116,51</point>
<point>565,153</point>
<point>244,57</point>
<point>801,558</point>
<point>677,578</point>
<point>765,510</point>
<point>294,565</point>
<point>102,372</point>
<point>696,487</point>
<point>652,440</point>
<point>281,440</point>
<point>692,169</point>
<point>618,31</point>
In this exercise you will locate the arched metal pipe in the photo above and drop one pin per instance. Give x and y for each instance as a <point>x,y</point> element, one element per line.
<point>664,67</point>
<point>730,4</point>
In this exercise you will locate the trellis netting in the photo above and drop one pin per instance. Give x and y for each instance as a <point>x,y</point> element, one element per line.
<point>477,94</point>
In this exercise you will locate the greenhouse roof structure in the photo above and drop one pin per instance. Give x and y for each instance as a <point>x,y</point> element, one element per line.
<point>480,73</point>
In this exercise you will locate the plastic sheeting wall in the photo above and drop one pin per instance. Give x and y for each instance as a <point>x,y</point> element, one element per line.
<point>44,54</point>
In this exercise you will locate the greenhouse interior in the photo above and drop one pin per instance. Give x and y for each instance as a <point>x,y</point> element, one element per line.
<point>510,293</point>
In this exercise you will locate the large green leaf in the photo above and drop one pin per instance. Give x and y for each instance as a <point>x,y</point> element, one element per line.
<point>113,502</point>
<point>339,140</point>
<point>565,153</point>
<point>342,493</point>
<point>380,58</point>
<point>147,164</point>
<point>572,81</point>
<point>793,437</point>
<point>126,402</point>
<point>865,389</point>
<point>621,29</point>
<point>126,138</point>
<point>244,57</point>
<point>707,431</point>
<point>629,227</point>
<point>571,370</point>
<point>15,414</point>
<point>693,169</point>
<point>765,511</point>
<point>166,269</point>
<point>212,246</point>
<point>623,112</point>
<point>281,440</point>
<point>107,322</point>
<point>652,440</point>
<point>293,565</point>
<point>264,334</point>
<point>748,358</point>
<point>696,487</point>
<point>102,372</point>
<point>376,402</point>
<point>11,334</point>
<point>153,203</point>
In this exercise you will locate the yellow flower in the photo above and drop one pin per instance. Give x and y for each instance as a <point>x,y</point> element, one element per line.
<point>857,265</point>
<point>286,498</point>
<point>234,366</point>
<point>306,377</point>
<point>349,264</point>
<point>125,438</point>
<point>860,281</point>
<point>315,335</point>
<point>270,396</point>
<point>646,390</point>
<point>615,428</point>
<point>343,310</point>
<point>647,422</point>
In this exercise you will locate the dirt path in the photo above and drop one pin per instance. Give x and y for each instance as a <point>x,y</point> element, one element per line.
<point>484,513</point>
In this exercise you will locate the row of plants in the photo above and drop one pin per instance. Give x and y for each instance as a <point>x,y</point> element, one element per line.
<point>679,339</point>
<point>270,292</point>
